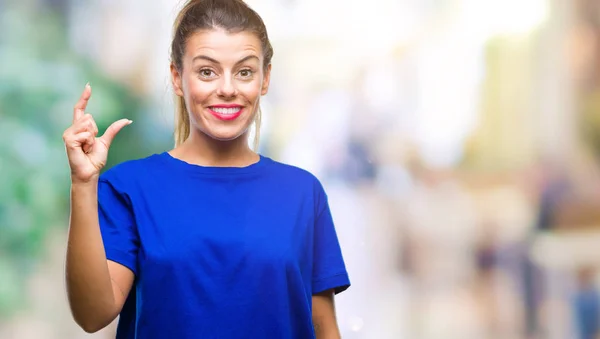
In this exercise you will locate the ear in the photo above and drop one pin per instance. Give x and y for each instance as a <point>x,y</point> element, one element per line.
<point>176,80</point>
<point>266,80</point>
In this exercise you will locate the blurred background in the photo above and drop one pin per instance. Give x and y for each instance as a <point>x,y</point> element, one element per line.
<point>458,140</point>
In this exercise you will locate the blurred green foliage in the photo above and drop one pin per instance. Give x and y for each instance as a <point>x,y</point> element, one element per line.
<point>41,78</point>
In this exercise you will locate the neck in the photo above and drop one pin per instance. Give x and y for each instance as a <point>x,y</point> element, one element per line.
<point>201,149</point>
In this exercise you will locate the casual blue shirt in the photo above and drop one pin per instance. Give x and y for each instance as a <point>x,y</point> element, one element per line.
<point>219,252</point>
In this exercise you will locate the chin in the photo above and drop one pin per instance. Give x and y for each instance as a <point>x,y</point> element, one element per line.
<point>227,135</point>
<point>225,132</point>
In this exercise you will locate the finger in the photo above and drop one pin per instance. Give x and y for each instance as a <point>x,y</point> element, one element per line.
<point>79,139</point>
<point>89,144</point>
<point>93,126</point>
<point>80,106</point>
<point>112,131</point>
<point>86,123</point>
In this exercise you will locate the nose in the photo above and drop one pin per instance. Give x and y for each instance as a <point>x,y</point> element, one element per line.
<point>227,88</point>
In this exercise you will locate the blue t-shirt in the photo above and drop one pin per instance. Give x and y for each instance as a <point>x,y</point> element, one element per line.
<point>219,252</point>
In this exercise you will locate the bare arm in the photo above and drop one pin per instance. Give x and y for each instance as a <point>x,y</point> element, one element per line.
<point>96,289</point>
<point>323,314</point>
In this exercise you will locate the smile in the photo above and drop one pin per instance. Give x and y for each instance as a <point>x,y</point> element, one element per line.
<point>223,112</point>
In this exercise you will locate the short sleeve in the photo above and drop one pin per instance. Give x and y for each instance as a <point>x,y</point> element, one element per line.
<point>117,225</point>
<point>329,269</point>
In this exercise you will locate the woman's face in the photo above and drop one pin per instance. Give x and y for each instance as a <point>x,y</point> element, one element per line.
<point>221,82</point>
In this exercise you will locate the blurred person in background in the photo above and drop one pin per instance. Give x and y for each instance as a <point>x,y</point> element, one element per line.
<point>586,305</point>
<point>554,187</point>
<point>209,239</point>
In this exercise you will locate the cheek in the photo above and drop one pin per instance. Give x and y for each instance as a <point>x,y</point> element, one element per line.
<point>251,90</point>
<point>197,90</point>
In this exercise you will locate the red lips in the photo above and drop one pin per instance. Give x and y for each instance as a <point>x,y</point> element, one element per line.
<point>226,112</point>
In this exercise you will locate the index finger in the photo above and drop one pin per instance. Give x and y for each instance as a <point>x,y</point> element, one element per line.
<point>79,109</point>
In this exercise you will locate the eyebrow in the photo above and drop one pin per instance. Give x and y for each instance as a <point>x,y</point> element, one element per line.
<point>204,57</point>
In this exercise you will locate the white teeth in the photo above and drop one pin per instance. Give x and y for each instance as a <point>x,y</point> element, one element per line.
<point>226,110</point>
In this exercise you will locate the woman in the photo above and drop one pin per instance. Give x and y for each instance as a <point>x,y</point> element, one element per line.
<point>210,239</point>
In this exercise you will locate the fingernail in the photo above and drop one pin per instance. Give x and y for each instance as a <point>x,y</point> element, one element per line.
<point>87,85</point>
<point>130,121</point>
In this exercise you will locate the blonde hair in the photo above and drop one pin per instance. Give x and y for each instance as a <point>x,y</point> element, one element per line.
<point>233,16</point>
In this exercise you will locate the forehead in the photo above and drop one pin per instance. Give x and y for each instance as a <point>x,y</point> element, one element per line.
<point>223,46</point>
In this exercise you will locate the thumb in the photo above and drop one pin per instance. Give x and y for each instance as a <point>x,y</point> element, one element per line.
<point>112,131</point>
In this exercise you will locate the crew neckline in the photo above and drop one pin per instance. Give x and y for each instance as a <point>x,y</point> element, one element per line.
<point>229,170</point>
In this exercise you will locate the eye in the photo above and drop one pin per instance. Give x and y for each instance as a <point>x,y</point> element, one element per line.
<point>206,73</point>
<point>245,73</point>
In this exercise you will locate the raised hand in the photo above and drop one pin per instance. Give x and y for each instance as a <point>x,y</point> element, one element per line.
<point>87,153</point>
